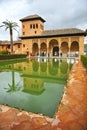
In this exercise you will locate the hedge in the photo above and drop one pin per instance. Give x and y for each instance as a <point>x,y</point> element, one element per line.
<point>84,60</point>
<point>13,56</point>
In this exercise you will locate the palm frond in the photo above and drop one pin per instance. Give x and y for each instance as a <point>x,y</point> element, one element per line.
<point>5,23</point>
<point>2,26</point>
<point>15,30</point>
<point>11,26</point>
<point>6,28</point>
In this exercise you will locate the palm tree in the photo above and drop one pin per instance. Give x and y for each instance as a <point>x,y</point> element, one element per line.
<point>11,26</point>
<point>13,87</point>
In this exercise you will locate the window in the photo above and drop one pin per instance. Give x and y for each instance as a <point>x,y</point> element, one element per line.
<point>36,25</point>
<point>33,26</point>
<point>30,26</point>
<point>23,33</point>
<point>23,26</point>
<point>35,32</point>
<point>23,45</point>
<point>18,46</point>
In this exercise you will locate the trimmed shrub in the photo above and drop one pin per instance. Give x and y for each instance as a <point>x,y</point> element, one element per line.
<point>13,56</point>
<point>4,52</point>
<point>84,60</point>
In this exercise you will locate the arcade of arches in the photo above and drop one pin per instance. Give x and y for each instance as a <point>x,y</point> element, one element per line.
<point>55,48</point>
<point>36,41</point>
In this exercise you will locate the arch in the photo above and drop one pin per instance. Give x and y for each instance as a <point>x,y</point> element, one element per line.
<point>74,46</point>
<point>43,49</point>
<point>53,47</point>
<point>55,51</point>
<point>64,48</point>
<point>74,49</point>
<point>35,49</point>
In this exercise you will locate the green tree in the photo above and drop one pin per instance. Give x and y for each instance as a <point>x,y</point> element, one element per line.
<point>9,25</point>
<point>86,32</point>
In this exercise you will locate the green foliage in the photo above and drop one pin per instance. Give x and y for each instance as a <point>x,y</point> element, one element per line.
<point>84,60</point>
<point>9,25</point>
<point>4,52</point>
<point>14,61</point>
<point>13,56</point>
<point>85,46</point>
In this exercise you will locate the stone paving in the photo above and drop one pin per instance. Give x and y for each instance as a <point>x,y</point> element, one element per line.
<point>71,114</point>
<point>73,109</point>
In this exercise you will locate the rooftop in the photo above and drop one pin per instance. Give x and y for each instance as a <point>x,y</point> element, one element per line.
<point>8,42</point>
<point>58,33</point>
<point>32,17</point>
<point>66,31</point>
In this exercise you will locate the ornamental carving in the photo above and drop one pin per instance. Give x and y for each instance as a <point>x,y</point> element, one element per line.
<point>43,40</point>
<point>74,39</point>
<point>64,39</point>
<point>34,40</point>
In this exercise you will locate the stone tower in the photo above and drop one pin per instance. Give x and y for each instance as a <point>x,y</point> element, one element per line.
<point>32,25</point>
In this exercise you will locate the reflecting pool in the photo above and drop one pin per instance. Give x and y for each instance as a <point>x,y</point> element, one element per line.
<point>35,85</point>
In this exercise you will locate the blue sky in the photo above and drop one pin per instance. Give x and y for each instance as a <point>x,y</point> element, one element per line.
<point>57,13</point>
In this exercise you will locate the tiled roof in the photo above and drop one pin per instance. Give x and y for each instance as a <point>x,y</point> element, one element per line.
<point>4,42</point>
<point>66,31</point>
<point>32,17</point>
<point>58,33</point>
<point>8,42</point>
<point>17,42</point>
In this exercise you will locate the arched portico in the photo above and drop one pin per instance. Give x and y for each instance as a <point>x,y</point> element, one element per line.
<point>55,51</point>
<point>59,42</point>
<point>35,49</point>
<point>43,49</point>
<point>74,49</point>
<point>53,47</point>
<point>64,48</point>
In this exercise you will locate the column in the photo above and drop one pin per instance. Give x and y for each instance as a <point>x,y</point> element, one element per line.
<point>59,41</point>
<point>81,46</point>
<point>69,45</point>
<point>47,47</point>
<point>39,46</point>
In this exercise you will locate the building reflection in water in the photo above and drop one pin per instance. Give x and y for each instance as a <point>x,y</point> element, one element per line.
<point>40,71</point>
<point>36,72</point>
<point>33,86</point>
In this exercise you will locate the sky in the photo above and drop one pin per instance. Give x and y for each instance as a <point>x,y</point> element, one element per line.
<point>57,13</point>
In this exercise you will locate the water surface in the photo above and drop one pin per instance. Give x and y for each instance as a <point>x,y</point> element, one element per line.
<point>35,85</point>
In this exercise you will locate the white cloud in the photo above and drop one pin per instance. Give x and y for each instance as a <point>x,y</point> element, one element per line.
<point>57,13</point>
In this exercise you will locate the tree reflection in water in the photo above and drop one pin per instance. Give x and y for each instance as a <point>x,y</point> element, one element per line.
<point>13,87</point>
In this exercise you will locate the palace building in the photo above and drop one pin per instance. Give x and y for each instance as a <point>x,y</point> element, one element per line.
<point>60,42</point>
<point>36,41</point>
<point>5,46</point>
